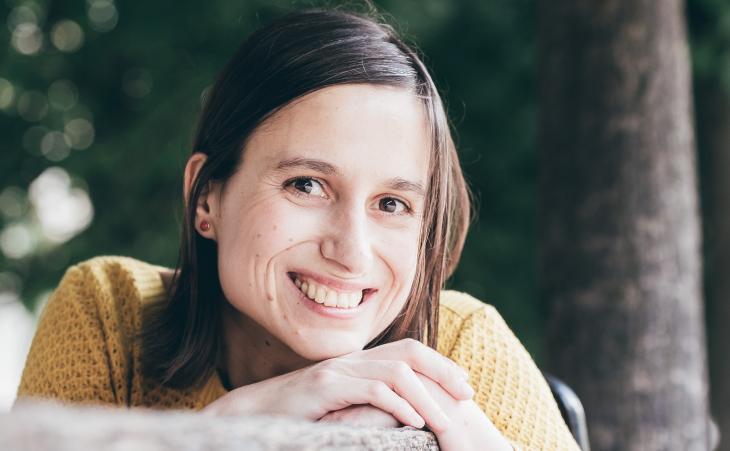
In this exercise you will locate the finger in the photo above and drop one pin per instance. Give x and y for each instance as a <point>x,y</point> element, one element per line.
<point>362,415</point>
<point>378,394</point>
<point>404,382</point>
<point>426,361</point>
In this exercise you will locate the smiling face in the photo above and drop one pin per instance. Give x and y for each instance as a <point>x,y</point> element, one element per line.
<point>317,231</point>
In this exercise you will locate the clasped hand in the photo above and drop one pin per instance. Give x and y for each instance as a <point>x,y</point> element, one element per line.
<point>404,382</point>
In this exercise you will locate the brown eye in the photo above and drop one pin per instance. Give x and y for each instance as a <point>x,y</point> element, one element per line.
<point>307,185</point>
<point>304,185</point>
<point>391,205</point>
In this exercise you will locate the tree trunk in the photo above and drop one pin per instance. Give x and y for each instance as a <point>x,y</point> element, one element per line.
<point>620,235</point>
<point>713,128</point>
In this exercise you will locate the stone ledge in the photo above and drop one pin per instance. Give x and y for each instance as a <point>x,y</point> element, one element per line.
<point>50,426</point>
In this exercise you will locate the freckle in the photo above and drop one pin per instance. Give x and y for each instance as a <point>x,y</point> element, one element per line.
<point>291,239</point>
<point>267,342</point>
<point>258,255</point>
<point>274,228</point>
<point>258,235</point>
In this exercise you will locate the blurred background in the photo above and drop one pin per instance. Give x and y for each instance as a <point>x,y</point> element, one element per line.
<point>98,103</point>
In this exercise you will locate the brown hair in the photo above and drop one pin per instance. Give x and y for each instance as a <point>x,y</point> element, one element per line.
<point>295,55</point>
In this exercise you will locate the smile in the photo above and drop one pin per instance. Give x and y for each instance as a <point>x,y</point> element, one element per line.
<point>326,295</point>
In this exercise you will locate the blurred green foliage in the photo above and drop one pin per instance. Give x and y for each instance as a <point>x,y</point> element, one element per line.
<point>139,74</point>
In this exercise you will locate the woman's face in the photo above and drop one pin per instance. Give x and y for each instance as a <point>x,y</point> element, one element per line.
<point>328,200</point>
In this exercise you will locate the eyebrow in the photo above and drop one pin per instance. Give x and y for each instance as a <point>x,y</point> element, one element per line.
<point>309,163</point>
<point>396,183</point>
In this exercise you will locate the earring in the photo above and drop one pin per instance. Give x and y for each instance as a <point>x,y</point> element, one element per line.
<point>204,226</point>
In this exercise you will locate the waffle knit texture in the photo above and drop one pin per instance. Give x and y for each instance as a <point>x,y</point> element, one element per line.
<point>82,352</point>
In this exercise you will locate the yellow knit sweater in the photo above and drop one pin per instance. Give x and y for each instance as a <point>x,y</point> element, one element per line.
<point>82,352</point>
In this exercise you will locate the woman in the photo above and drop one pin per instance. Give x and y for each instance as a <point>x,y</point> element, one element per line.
<point>325,207</point>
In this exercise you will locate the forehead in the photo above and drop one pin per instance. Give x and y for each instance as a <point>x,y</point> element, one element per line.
<point>382,131</point>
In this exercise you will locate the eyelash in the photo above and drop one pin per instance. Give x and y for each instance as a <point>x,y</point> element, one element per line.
<point>290,183</point>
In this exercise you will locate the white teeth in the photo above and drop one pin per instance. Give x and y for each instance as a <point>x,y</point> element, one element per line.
<point>321,294</point>
<point>348,300</point>
<point>328,297</point>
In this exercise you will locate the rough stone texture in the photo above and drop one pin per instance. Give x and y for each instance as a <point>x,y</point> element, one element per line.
<point>33,426</point>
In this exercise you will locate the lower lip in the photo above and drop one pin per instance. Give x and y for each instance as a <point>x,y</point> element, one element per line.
<point>329,312</point>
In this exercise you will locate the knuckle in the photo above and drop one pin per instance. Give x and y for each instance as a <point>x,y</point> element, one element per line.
<point>412,346</point>
<point>377,390</point>
<point>323,377</point>
<point>401,370</point>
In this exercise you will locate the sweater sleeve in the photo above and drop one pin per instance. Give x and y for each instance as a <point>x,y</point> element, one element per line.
<point>76,354</point>
<point>508,386</point>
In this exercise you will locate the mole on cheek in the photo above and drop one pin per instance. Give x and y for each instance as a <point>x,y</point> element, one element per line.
<point>258,235</point>
<point>274,228</point>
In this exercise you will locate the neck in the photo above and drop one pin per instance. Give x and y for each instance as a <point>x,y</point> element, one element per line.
<point>251,354</point>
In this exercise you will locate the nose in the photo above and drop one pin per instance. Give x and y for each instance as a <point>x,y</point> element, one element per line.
<point>347,242</point>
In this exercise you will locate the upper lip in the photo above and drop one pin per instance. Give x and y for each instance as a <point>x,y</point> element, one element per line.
<point>332,283</point>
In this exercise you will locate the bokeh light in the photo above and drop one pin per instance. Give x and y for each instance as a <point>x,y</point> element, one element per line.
<point>67,36</point>
<point>80,133</point>
<point>16,240</point>
<point>32,139</point>
<point>55,146</point>
<point>27,38</point>
<point>79,111</point>
<point>63,95</point>
<point>22,14</point>
<point>32,106</point>
<point>7,94</point>
<point>13,202</point>
<point>103,15</point>
<point>62,210</point>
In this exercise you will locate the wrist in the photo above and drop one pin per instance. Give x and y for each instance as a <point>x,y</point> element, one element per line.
<point>471,427</point>
<point>237,402</point>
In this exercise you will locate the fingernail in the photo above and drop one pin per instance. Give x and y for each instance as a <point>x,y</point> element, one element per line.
<point>418,422</point>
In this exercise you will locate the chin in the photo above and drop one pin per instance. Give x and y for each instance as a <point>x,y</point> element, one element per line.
<point>319,350</point>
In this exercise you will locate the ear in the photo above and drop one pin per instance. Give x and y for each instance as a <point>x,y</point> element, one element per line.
<point>208,205</point>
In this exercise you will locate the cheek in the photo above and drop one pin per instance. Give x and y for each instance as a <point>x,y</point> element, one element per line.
<point>403,254</point>
<point>266,228</point>
<point>248,240</point>
<point>252,239</point>
<point>399,251</point>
